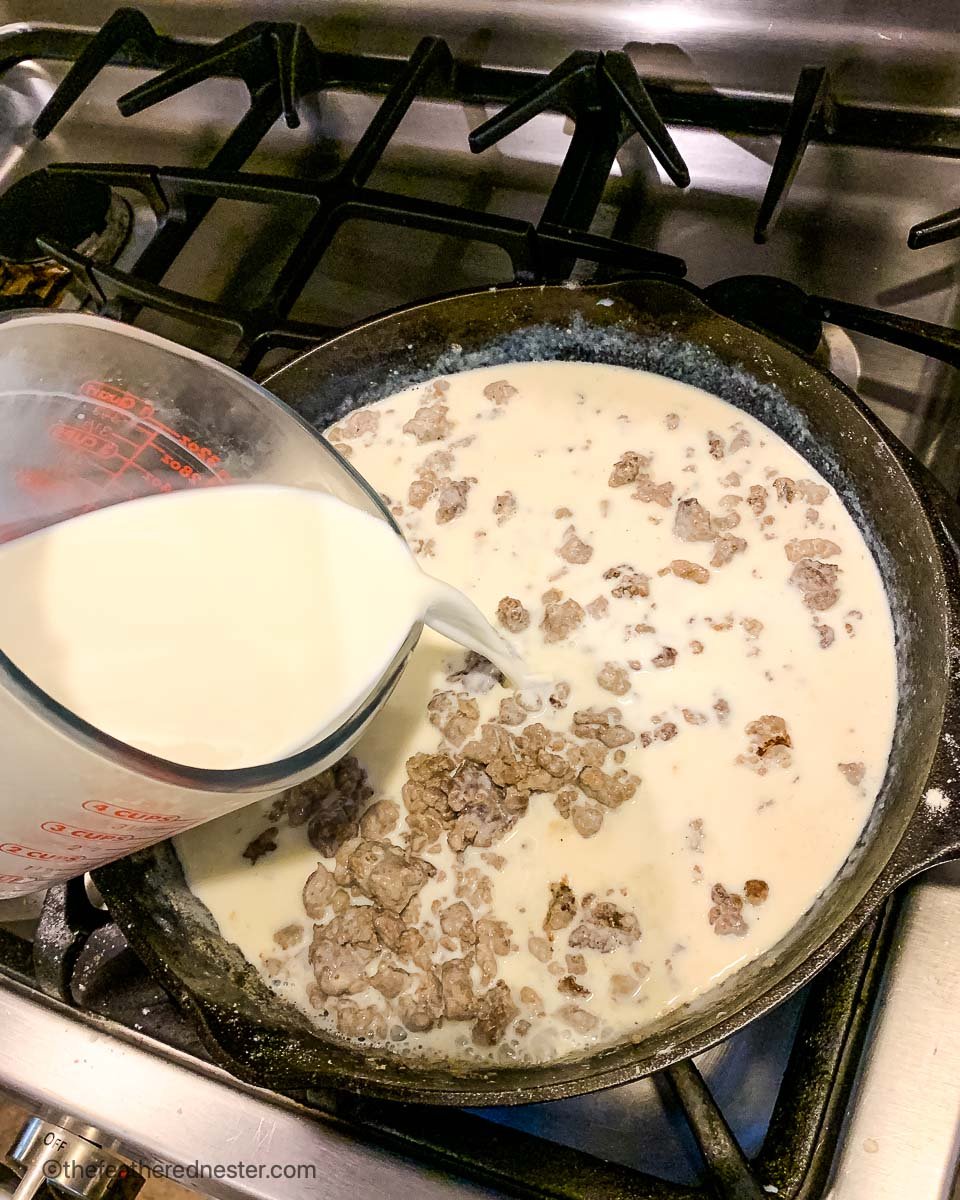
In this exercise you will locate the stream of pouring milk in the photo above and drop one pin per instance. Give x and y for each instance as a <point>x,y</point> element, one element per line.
<point>225,627</point>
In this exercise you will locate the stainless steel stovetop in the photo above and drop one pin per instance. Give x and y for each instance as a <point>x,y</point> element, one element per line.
<point>842,233</point>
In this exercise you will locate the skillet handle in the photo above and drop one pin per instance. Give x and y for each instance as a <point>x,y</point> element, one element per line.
<point>933,835</point>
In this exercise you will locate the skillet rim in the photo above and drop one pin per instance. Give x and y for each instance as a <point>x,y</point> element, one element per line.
<point>921,844</point>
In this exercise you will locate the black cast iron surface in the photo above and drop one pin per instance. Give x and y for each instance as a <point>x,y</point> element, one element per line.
<point>664,327</point>
<point>795,1155</point>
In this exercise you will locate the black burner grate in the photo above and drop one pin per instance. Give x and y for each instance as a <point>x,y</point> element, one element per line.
<point>600,92</point>
<point>280,65</point>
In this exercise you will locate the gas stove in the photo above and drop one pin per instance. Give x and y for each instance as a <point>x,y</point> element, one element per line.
<point>249,179</point>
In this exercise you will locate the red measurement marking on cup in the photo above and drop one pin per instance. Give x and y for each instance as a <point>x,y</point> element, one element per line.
<point>84,439</point>
<point>120,398</point>
<point>208,458</point>
<point>22,851</point>
<point>16,879</point>
<point>108,393</point>
<point>89,835</point>
<point>37,480</point>
<point>132,814</point>
<point>114,445</point>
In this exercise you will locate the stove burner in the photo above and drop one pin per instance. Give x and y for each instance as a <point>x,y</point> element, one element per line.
<point>42,205</point>
<point>84,214</point>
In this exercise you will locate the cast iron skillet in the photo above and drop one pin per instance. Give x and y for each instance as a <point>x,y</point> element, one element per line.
<point>664,327</point>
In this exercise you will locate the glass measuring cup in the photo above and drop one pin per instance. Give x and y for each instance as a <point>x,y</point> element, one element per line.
<point>93,413</point>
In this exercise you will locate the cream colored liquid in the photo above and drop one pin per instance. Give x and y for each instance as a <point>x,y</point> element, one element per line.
<point>219,628</point>
<point>552,444</point>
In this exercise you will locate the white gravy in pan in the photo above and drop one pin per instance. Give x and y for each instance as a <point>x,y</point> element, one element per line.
<point>503,877</point>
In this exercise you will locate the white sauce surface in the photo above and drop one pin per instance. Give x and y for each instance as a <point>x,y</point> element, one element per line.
<point>553,444</point>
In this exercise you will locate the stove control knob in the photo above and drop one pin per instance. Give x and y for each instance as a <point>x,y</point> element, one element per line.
<point>70,1164</point>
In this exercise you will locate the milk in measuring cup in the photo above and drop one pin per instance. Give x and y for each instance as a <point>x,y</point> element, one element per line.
<point>218,628</point>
